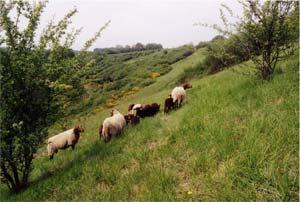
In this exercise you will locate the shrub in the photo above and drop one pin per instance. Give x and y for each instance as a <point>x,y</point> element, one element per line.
<point>38,80</point>
<point>202,44</point>
<point>154,75</point>
<point>223,53</point>
<point>187,53</point>
<point>267,32</point>
<point>188,74</point>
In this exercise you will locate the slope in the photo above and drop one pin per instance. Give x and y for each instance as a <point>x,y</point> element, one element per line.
<point>236,138</point>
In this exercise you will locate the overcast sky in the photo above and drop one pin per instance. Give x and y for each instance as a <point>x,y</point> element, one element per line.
<point>168,22</point>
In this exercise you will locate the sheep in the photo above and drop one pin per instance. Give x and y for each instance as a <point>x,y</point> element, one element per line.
<point>112,125</point>
<point>132,119</point>
<point>186,86</point>
<point>100,130</point>
<point>179,95</point>
<point>64,140</point>
<point>169,104</point>
<point>148,110</point>
<point>132,108</point>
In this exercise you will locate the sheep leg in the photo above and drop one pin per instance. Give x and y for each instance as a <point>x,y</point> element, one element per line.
<point>176,104</point>
<point>107,138</point>
<point>107,135</point>
<point>51,157</point>
<point>73,146</point>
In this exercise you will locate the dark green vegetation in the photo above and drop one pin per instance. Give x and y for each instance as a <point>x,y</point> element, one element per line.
<point>39,79</point>
<point>127,48</point>
<point>236,138</point>
<point>265,33</point>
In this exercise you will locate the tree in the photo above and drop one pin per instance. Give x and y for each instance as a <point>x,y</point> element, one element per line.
<point>264,31</point>
<point>138,47</point>
<point>37,81</point>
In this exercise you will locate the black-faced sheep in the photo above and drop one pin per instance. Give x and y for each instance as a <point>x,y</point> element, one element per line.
<point>64,140</point>
<point>112,125</point>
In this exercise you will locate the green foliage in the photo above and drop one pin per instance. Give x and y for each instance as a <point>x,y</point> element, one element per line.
<point>201,44</point>
<point>127,48</point>
<point>38,81</point>
<point>200,69</point>
<point>266,32</point>
<point>223,52</point>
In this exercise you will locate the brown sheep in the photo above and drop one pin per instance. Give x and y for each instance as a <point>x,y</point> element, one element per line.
<point>148,110</point>
<point>169,104</point>
<point>186,86</point>
<point>130,118</point>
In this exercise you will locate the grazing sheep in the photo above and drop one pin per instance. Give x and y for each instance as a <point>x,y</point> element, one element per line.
<point>64,140</point>
<point>130,118</point>
<point>113,125</point>
<point>186,86</point>
<point>148,110</point>
<point>169,104</point>
<point>132,108</point>
<point>100,130</point>
<point>179,95</point>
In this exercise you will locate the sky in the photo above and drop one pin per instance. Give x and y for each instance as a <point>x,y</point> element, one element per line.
<point>168,22</point>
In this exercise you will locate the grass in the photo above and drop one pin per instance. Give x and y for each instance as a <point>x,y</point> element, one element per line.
<point>235,139</point>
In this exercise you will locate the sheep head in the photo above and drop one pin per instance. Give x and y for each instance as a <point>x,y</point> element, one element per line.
<point>114,111</point>
<point>78,129</point>
<point>130,107</point>
<point>187,85</point>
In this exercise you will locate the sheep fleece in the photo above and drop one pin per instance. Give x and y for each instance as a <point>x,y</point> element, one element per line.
<point>178,94</point>
<point>60,141</point>
<point>113,124</point>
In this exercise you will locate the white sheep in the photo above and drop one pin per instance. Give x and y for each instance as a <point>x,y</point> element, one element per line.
<point>64,140</point>
<point>113,125</point>
<point>179,95</point>
<point>132,108</point>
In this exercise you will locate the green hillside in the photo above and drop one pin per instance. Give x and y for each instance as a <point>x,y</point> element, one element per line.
<point>111,77</point>
<point>236,138</point>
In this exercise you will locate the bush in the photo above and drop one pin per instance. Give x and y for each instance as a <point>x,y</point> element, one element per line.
<point>223,53</point>
<point>188,74</point>
<point>187,53</point>
<point>147,82</point>
<point>39,79</point>
<point>202,44</point>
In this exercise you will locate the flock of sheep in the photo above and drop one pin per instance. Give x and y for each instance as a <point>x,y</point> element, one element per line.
<point>114,124</point>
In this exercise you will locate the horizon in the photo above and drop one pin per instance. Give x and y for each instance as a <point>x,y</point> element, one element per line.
<point>167,22</point>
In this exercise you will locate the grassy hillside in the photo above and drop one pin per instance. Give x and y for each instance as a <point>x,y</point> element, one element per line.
<point>236,138</point>
<point>114,76</point>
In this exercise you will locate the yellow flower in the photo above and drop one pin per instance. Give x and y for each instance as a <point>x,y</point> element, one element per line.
<point>189,193</point>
